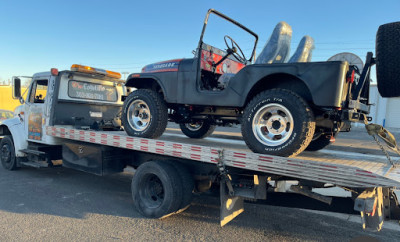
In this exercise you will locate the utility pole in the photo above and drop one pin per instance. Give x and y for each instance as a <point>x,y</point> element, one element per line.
<point>125,73</point>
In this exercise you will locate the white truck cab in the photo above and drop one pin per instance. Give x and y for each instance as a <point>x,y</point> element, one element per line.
<point>83,97</point>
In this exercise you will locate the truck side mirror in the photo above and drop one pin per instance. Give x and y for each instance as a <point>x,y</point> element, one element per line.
<point>16,87</point>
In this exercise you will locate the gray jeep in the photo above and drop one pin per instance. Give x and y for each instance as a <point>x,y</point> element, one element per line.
<point>283,108</point>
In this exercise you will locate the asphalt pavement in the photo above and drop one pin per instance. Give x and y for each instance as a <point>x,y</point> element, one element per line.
<point>63,204</point>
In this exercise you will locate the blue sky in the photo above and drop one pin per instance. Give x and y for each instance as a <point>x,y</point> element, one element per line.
<point>126,35</point>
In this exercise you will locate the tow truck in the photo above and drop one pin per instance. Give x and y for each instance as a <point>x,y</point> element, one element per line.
<point>72,118</point>
<point>72,115</point>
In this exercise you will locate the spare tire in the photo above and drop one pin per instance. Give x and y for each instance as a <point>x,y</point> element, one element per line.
<point>388,59</point>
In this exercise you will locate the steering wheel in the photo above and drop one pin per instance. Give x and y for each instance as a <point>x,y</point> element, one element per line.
<point>233,49</point>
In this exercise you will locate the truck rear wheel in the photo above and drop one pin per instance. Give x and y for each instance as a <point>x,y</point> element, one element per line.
<point>197,130</point>
<point>144,114</point>
<point>7,153</point>
<point>187,184</point>
<point>156,189</point>
<point>278,122</point>
<point>387,59</point>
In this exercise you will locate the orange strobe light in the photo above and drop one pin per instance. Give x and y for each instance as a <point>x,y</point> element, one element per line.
<point>92,70</point>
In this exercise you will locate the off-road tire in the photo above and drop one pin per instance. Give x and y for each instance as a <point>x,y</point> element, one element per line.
<point>319,143</point>
<point>205,130</point>
<point>387,59</point>
<point>303,119</point>
<point>7,153</point>
<point>148,203</point>
<point>158,109</point>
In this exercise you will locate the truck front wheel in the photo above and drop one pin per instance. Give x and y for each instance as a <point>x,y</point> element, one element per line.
<point>156,189</point>
<point>278,122</point>
<point>197,130</point>
<point>144,114</point>
<point>7,153</point>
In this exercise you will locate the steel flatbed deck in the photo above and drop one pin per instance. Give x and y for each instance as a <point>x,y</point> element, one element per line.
<point>337,169</point>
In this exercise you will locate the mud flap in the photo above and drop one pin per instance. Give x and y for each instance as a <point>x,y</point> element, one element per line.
<point>370,205</point>
<point>231,206</point>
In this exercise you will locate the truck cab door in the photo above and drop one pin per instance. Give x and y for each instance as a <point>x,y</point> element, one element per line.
<point>35,108</point>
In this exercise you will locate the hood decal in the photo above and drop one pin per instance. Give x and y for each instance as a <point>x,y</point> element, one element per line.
<point>165,66</point>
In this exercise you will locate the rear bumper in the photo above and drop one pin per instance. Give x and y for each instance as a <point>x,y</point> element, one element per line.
<point>361,107</point>
<point>356,112</point>
<point>354,116</point>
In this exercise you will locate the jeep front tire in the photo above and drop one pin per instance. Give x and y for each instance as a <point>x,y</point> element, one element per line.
<point>144,114</point>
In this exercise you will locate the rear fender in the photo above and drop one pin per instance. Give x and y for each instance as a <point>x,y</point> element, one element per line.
<point>16,129</point>
<point>325,81</point>
<point>284,81</point>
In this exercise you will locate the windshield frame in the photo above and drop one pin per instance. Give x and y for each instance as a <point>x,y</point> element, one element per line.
<point>213,11</point>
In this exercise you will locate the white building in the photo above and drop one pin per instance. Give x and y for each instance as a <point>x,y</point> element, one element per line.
<point>386,111</point>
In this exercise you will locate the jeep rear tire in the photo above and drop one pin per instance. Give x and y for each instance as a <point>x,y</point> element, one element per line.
<point>197,130</point>
<point>278,122</point>
<point>319,142</point>
<point>144,114</point>
<point>387,59</point>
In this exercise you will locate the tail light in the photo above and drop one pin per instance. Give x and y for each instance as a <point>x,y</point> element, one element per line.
<point>350,77</point>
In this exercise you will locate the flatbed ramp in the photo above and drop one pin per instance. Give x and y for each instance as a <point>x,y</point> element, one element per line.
<point>341,170</point>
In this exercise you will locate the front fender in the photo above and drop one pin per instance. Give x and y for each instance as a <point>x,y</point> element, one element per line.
<point>139,80</point>
<point>167,81</point>
<point>16,129</point>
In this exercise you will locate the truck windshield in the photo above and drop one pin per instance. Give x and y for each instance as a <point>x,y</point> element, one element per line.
<point>39,91</point>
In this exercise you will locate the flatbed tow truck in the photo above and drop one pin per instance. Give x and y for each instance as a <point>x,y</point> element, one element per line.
<point>73,116</point>
<point>67,116</point>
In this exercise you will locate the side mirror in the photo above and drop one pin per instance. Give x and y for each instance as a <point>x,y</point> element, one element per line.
<point>16,88</point>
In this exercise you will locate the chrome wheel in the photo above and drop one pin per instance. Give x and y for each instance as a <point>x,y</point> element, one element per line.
<point>273,124</point>
<point>194,126</point>
<point>139,115</point>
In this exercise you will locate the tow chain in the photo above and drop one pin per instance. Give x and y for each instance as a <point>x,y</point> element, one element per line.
<point>384,150</point>
<point>377,130</point>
